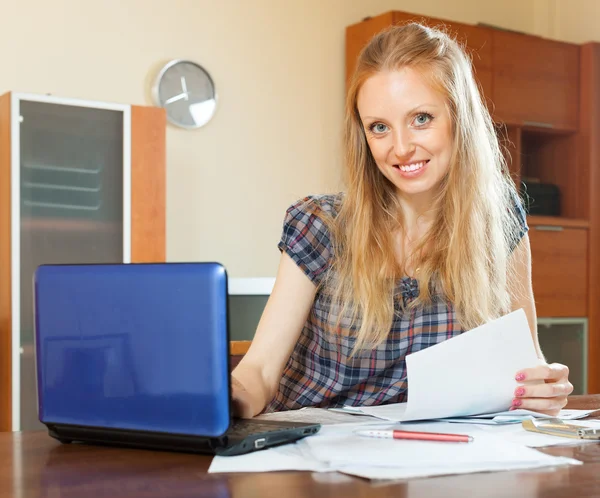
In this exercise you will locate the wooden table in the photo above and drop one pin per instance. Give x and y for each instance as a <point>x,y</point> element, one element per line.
<point>34,465</point>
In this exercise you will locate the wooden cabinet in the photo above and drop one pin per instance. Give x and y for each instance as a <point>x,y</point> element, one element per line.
<point>535,81</point>
<point>80,182</point>
<point>477,41</point>
<point>526,80</point>
<point>559,269</point>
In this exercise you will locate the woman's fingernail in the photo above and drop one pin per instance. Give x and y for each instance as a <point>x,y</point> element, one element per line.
<point>516,402</point>
<point>520,377</point>
<point>520,391</point>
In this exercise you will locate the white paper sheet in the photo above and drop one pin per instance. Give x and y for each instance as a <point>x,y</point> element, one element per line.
<point>396,412</point>
<point>337,448</point>
<point>400,473</point>
<point>472,373</point>
<point>285,457</point>
<point>342,448</point>
<point>314,416</point>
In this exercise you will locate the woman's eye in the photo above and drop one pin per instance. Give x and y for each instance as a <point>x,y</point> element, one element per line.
<point>423,119</point>
<point>378,128</point>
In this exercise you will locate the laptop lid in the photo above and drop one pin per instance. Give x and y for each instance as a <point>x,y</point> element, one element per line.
<point>143,347</point>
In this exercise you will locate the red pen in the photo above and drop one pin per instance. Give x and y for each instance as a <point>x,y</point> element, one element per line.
<point>416,436</point>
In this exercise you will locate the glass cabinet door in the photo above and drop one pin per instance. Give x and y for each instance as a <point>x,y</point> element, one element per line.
<point>564,340</point>
<point>72,165</point>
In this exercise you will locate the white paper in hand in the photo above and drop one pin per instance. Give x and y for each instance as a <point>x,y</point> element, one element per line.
<point>472,373</point>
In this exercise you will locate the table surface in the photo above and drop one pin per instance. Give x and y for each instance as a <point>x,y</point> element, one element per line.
<point>32,464</point>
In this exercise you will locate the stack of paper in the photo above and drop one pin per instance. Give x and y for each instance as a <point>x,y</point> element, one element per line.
<point>338,448</point>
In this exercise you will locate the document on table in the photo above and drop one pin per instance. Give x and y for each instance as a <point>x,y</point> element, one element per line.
<point>396,412</point>
<point>313,415</point>
<point>471,374</point>
<point>338,448</point>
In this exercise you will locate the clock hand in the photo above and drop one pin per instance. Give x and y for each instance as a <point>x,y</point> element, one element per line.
<point>176,98</point>
<point>184,87</point>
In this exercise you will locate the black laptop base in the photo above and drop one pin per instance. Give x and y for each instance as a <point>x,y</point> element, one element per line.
<point>231,443</point>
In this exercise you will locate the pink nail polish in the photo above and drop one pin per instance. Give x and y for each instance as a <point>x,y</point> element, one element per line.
<point>516,402</point>
<point>520,391</point>
<point>520,377</point>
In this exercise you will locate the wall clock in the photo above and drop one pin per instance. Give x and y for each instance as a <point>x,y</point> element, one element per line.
<point>187,92</point>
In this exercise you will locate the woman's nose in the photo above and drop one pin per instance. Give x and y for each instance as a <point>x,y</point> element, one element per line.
<point>403,144</point>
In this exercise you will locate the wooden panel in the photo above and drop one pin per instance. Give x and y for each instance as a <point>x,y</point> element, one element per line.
<point>590,146</point>
<point>510,142</point>
<point>359,34</point>
<point>239,347</point>
<point>555,158</point>
<point>476,41</point>
<point>478,44</point>
<point>234,360</point>
<point>535,80</point>
<point>5,270</point>
<point>559,270</point>
<point>557,221</point>
<point>148,182</point>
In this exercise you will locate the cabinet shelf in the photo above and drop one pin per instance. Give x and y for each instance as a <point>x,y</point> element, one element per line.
<point>557,221</point>
<point>73,225</point>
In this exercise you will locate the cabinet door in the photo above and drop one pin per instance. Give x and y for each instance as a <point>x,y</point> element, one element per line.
<point>476,40</point>
<point>564,340</point>
<point>73,173</point>
<point>559,270</point>
<point>359,34</point>
<point>536,81</point>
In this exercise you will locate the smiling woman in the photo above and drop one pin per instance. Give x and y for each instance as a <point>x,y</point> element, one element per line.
<point>428,240</point>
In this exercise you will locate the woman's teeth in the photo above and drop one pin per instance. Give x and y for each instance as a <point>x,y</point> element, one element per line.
<point>412,167</point>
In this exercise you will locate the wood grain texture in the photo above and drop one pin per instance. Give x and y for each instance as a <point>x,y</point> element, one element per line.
<point>239,347</point>
<point>590,145</point>
<point>32,464</point>
<point>544,157</point>
<point>510,142</point>
<point>5,268</point>
<point>557,221</point>
<point>475,40</point>
<point>358,35</point>
<point>559,271</point>
<point>535,80</point>
<point>148,184</point>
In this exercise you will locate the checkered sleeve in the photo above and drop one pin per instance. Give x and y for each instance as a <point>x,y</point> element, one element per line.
<point>306,238</point>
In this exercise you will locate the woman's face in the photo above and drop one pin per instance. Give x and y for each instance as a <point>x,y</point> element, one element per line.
<point>408,129</point>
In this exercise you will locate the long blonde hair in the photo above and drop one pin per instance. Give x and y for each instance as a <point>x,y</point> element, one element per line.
<point>465,253</point>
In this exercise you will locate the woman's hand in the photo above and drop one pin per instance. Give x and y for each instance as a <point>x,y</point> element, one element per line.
<point>549,394</point>
<point>241,400</point>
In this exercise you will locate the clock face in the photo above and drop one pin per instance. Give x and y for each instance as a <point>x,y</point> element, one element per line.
<point>187,93</point>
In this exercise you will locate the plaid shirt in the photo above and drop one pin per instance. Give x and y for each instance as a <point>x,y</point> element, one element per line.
<point>320,371</point>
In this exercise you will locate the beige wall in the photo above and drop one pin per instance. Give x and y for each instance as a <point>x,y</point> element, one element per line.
<point>278,67</point>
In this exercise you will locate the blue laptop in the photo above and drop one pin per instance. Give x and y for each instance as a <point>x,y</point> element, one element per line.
<point>138,355</point>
